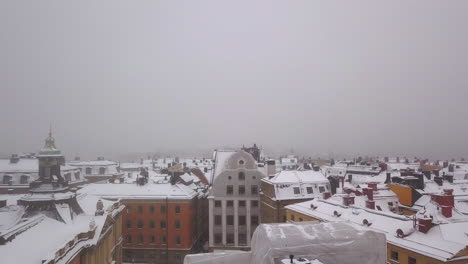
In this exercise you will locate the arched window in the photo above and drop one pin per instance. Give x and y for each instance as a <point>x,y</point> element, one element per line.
<point>241,176</point>
<point>140,224</point>
<point>102,170</point>
<point>24,179</point>
<point>89,171</point>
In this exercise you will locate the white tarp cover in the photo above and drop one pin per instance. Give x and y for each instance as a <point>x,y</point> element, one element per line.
<point>330,243</point>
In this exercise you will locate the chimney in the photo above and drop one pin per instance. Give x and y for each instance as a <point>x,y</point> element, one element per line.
<point>451,168</point>
<point>370,204</point>
<point>438,180</point>
<point>427,174</point>
<point>424,224</point>
<point>446,164</point>
<point>326,195</point>
<point>14,158</point>
<point>348,200</point>
<point>372,185</point>
<point>445,201</point>
<point>436,173</point>
<point>388,179</point>
<point>342,182</point>
<point>370,194</point>
<point>448,178</point>
<point>271,167</point>
<point>350,178</point>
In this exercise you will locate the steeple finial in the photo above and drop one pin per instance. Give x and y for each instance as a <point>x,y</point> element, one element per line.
<point>50,141</point>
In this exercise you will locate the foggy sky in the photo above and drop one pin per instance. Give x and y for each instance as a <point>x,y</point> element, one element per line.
<point>319,77</point>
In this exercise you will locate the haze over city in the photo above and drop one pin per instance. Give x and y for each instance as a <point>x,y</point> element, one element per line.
<point>330,78</point>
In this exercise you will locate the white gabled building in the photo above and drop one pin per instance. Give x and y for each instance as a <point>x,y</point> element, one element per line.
<point>234,210</point>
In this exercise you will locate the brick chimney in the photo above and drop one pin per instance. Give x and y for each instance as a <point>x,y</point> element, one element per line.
<point>370,194</point>
<point>372,185</point>
<point>326,195</point>
<point>348,200</point>
<point>370,204</point>
<point>446,201</point>
<point>424,224</point>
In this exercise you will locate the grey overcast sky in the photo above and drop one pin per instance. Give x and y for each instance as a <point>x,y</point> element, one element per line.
<point>319,77</point>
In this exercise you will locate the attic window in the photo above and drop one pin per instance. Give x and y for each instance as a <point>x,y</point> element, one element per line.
<point>241,162</point>
<point>296,190</point>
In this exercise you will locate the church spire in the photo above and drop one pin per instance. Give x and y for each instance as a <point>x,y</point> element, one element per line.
<point>50,141</point>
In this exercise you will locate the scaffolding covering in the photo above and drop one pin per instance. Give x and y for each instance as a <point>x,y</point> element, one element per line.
<point>329,243</point>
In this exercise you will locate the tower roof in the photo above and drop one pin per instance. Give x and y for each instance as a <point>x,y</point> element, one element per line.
<point>49,148</point>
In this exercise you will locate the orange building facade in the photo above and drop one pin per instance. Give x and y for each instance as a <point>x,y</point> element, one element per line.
<point>163,230</point>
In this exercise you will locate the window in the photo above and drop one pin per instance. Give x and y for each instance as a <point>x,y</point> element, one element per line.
<point>242,239</point>
<point>254,203</point>
<point>177,240</point>
<point>177,224</point>
<point>102,170</point>
<point>241,189</point>
<point>129,239</point>
<point>177,209</point>
<point>24,179</point>
<point>218,238</point>
<point>379,208</point>
<point>151,224</point>
<point>411,260</point>
<point>254,189</point>
<point>321,189</point>
<point>140,239</point>
<point>7,179</point>
<point>241,203</point>
<point>140,224</point>
<point>229,177</point>
<point>152,239</point>
<point>151,209</point>
<point>217,220</point>
<point>77,175</point>
<point>229,203</point>
<point>230,239</point>
<point>140,209</point>
<point>230,220</point>
<point>129,224</point>
<point>217,203</point>
<point>292,218</point>
<point>242,220</point>
<point>163,209</point>
<point>88,171</point>
<point>241,176</point>
<point>254,220</point>
<point>229,189</point>
<point>300,219</point>
<point>129,209</point>
<point>163,240</point>
<point>254,177</point>
<point>394,255</point>
<point>310,190</point>
<point>296,190</point>
<point>163,224</point>
<point>241,162</point>
<point>68,177</point>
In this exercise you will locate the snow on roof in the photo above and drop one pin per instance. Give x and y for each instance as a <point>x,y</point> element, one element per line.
<point>221,159</point>
<point>47,235</point>
<point>402,166</point>
<point>92,163</point>
<point>294,176</point>
<point>435,243</point>
<point>24,166</point>
<point>134,191</point>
